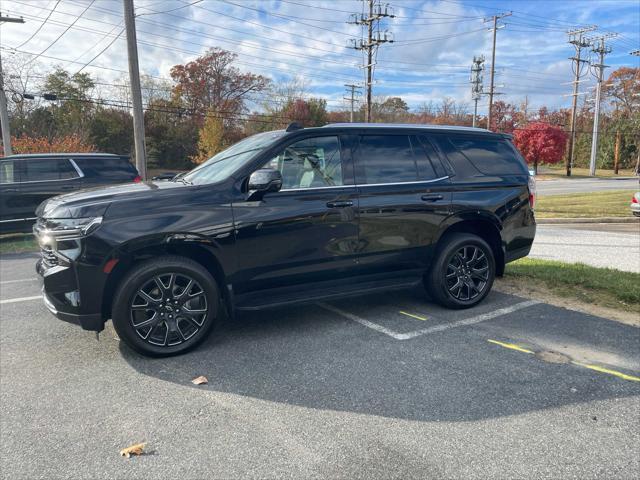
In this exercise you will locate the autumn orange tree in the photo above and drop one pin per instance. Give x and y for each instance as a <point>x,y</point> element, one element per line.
<point>69,143</point>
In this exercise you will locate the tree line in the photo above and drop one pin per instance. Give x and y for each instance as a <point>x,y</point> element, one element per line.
<point>208,104</point>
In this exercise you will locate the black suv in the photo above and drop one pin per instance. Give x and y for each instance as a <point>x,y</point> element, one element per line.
<point>288,216</point>
<point>27,180</point>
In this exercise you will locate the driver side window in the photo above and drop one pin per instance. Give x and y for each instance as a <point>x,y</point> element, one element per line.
<point>309,163</point>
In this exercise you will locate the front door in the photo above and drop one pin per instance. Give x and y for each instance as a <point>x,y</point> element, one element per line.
<point>308,231</point>
<point>404,195</point>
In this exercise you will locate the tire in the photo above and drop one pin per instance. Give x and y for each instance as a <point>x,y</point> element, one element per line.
<point>456,278</point>
<point>182,306</point>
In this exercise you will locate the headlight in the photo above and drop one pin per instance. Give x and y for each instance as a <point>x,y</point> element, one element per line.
<point>66,229</point>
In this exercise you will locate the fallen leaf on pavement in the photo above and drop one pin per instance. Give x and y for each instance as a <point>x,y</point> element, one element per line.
<point>132,450</point>
<point>200,380</point>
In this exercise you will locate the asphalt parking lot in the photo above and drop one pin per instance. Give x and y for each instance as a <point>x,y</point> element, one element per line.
<point>386,386</point>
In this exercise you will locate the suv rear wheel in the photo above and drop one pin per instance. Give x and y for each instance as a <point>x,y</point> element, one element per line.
<point>462,271</point>
<point>165,306</point>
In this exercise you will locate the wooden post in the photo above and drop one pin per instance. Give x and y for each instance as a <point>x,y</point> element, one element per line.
<point>616,153</point>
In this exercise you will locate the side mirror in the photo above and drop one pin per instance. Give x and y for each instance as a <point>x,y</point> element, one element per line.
<point>265,180</point>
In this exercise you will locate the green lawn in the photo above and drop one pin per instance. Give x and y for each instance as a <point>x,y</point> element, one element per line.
<point>613,203</point>
<point>17,243</point>
<point>602,286</point>
<point>578,172</point>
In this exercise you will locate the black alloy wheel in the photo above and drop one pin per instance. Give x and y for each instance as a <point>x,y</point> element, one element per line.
<point>467,273</point>
<point>462,271</point>
<point>165,306</point>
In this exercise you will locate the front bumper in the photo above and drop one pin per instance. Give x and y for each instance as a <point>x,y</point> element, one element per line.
<point>62,296</point>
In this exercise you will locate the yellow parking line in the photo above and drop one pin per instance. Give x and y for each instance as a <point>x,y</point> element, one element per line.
<point>510,346</point>
<point>417,317</point>
<point>624,376</point>
<point>596,368</point>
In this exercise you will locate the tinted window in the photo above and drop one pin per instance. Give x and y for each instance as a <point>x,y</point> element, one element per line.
<point>425,158</point>
<point>7,173</point>
<point>42,170</point>
<point>489,156</point>
<point>106,167</point>
<point>391,159</point>
<point>309,163</point>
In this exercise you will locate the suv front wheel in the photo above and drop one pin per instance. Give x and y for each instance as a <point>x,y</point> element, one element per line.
<point>462,271</point>
<point>165,306</point>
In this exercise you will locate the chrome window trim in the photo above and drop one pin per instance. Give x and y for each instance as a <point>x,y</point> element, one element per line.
<point>365,185</point>
<point>75,165</point>
<point>402,183</point>
<point>18,219</point>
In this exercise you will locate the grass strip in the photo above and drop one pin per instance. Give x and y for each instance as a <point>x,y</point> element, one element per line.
<point>17,243</point>
<point>600,286</point>
<point>612,203</point>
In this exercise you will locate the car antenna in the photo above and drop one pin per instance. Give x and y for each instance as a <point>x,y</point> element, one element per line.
<point>293,126</point>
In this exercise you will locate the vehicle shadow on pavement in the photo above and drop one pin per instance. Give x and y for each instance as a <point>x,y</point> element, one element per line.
<point>311,357</point>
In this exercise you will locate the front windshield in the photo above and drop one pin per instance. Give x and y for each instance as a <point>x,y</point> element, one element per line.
<point>224,163</point>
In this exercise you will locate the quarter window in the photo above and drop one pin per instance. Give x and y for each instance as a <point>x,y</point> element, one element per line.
<point>41,170</point>
<point>310,163</point>
<point>489,156</point>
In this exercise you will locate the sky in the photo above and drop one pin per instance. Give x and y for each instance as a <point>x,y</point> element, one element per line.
<point>310,40</point>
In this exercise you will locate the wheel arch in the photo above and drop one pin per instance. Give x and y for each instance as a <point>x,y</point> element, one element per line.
<point>130,255</point>
<point>486,227</point>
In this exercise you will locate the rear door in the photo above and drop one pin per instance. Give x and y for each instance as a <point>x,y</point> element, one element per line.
<point>106,170</point>
<point>308,231</point>
<point>404,195</point>
<point>42,178</point>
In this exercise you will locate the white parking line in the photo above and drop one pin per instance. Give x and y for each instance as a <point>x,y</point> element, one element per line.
<point>19,281</point>
<point>437,328</point>
<point>21,299</point>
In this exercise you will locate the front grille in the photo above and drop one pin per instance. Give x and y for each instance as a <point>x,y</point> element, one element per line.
<point>48,257</point>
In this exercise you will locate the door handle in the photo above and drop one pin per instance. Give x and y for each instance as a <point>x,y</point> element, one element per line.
<point>431,197</point>
<point>341,204</point>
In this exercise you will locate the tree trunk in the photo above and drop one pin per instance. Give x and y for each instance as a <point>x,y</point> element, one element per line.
<point>616,153</point>
<point>535,166</point>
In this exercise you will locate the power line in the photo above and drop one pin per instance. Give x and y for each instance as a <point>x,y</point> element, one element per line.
<point>40,27</point>
<point>62,34</point>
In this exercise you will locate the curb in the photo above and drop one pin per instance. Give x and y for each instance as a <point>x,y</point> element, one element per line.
<point>541,221</point>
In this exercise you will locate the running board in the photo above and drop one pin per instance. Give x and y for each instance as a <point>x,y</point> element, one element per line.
<point>276,298</point>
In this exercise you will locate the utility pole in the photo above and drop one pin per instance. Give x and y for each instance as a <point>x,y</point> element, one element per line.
<point>351,99</point>
<point>576,38</point>
<point>494,19</point>
<point>4,111</point>
<point>601,49</point>
<point>476,83</point>
<point>374,39</point>
<point>136,93</point>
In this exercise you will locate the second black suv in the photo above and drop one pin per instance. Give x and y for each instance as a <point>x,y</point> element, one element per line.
<point>288,216</point>
<point>27,180</point>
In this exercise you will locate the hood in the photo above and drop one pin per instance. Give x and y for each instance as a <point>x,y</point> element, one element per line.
<point>94,202</point>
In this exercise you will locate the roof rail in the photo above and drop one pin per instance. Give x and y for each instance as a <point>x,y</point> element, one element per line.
<point>293,126</point>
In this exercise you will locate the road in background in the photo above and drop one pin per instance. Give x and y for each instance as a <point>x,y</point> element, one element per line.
<point>599,245</point>
<point>564,186</point>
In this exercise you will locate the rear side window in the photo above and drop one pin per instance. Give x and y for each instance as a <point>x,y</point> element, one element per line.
<point>105,167</point>
<point>489,156</point>
<point>7,173</point>
<point>47,169</point>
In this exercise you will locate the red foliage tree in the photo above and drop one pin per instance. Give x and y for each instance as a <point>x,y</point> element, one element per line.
<point>540,142</point>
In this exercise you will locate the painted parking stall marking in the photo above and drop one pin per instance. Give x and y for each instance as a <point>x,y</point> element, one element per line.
<point>21,299</point>
<point>413,315</point>
<point>437,328</point>
<point>596,368</point>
